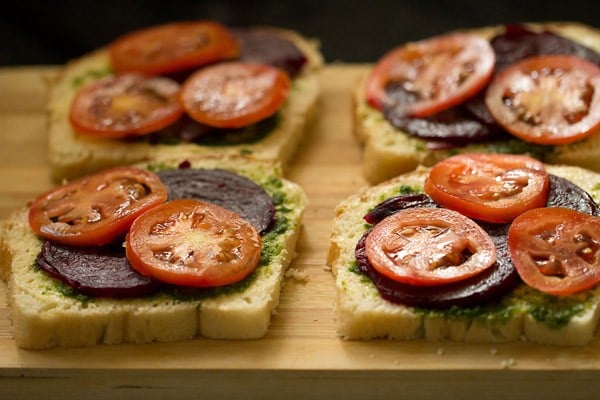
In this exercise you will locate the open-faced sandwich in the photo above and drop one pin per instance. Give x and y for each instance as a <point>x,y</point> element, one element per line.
<point>529,89</point>
<point>182,89</point>
<point>479,248</point>
<point>163,252</point>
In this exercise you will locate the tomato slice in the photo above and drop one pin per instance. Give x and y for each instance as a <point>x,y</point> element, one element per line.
<point>125,105</point>
<point>435,73</point>
<point>429,246</point>
<point>556,250</point>
<point>173,47</point>
<point>234,94</point>
<point>552,99</point>
<point>489,187</point>
<point>96,209</point>
<point>191,243</point>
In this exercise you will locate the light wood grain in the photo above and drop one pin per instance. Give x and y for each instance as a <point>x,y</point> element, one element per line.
<point>301,357</point>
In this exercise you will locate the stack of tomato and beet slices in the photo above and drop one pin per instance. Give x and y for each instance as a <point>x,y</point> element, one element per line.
<point>457,89</point>
<point>485,224</point>
<point>126,232</point>
<point>231,79</point>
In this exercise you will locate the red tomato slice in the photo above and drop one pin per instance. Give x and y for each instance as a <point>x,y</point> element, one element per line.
<point>235,94</point>
<point>553,99</point>
<point>556,250</point>
<point>192,243</point>
<point>489,187</point>
<point>173,47</point>
<point>125,105</point>
<point>439,73</point>
<point>96,209</point>
<point>429,246</point>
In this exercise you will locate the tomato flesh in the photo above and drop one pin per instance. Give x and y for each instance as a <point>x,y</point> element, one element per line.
<point>439,73</point>
<point>489,187</point>
<point>429,246</point>
<point>234,94</point>
<point>556,250</point>
<point>173,47</point>
<point>192,243</point>
<point>551,99</point>
<point>96,209</point>
<point>125,105</point>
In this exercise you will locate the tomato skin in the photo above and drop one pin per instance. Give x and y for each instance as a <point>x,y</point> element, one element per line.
<point>173,47</point>
<point>96,209</point>
<point>442,71</point>
<point>556,250</point>
<point>234,94</point>
<point>126,105</point>
<point>549,100</point>
<point>429,247</point>
<point>489,187</point>
<point>191,243</point>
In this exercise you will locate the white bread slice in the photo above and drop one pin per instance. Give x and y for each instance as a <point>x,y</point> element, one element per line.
<point>389,152</point>
<point>362,314</point>
<point>72,154</point>
<point>43,316</point>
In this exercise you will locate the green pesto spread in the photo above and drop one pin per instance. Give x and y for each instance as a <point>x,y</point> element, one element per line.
<point>509,146</point>
<point>553,311</point>
<point>51,285</point>
<point>516,146</point>
<point>93,74</point>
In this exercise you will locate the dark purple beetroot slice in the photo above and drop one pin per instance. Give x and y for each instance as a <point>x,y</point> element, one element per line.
<point>397,203</point>
<point>564,193</point>
<point>223,188</point>
<point>183,130</point>
<point>96,272</point>
<point>517,43</point>
<point>490,284</point>
<point>267,47</point>
<point>455,126</point>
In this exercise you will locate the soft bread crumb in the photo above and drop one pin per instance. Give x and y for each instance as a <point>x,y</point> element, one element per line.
<point>508,363</point>
<point>297,275</point>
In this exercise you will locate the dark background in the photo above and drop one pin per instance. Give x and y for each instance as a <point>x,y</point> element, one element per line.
<point>52,32</point>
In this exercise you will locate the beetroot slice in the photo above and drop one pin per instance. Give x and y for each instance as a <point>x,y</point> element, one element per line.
<point>517,43</point>
<point>487,286</point>
<point>268,47</point>
<point>492,283</point>
<point>225,189</point>
<point>96,272</point>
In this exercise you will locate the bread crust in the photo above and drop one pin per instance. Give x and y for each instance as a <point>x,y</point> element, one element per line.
<point>72,154</point>
<point>361,313</point>
<point>44,317</point>
<point>388,152</point>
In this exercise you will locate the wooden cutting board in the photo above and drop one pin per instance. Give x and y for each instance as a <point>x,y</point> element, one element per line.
<point>301,356</point>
